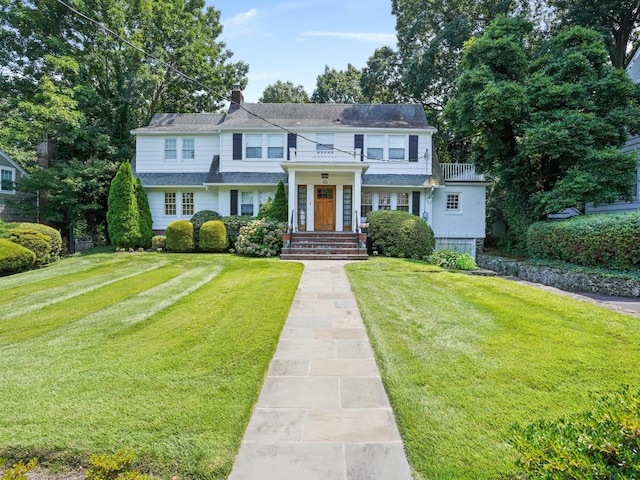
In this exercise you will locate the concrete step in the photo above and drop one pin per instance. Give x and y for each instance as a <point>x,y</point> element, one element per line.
<point>333,256</point>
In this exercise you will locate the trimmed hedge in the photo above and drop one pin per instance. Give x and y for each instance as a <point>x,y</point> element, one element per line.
<point>53,234</point>
<point>159,241</point>
<point>180,236</point>
<point>199,219</point>
<point>233,224</point>
<point>14,258</point>
<point>35,241</point>
<point>213,237</point>
<point>609,241</point>
<point>400,234</point>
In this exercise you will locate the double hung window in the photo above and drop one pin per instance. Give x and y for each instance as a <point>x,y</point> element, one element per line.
<point>253,146</point>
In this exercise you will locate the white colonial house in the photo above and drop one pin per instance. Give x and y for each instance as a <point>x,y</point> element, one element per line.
<point>338,162</point>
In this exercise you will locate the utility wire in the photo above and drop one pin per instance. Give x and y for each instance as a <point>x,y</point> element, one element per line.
<point>217,95</point>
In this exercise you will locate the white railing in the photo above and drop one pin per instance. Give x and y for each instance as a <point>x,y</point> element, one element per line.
<point>461,172</point>
<point>323,156</point>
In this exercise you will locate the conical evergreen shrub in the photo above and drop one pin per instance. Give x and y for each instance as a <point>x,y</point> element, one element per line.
<point>280,208</point>
<point>123,214</point>
<point>146,222</point>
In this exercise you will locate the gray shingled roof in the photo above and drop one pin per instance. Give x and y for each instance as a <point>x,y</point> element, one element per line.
<point>395,180</point>
<point>182,122</point>
<point>172,179</point>
<point>215,177</point>
<point>292,115</point>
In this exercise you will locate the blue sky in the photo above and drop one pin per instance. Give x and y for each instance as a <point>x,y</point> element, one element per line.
<point>294,40</point>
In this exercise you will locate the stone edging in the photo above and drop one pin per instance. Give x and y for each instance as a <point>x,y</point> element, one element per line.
<point>561,278</point>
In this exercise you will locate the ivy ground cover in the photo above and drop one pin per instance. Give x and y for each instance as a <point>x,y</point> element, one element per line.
<point>465,357</point>
<point>163,355</point>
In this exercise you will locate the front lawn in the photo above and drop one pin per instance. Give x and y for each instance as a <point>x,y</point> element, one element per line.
<point>464,357</point>
<point>163,355</point>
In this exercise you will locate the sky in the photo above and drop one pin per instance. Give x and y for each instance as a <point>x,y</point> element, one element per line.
<point>294,40</point>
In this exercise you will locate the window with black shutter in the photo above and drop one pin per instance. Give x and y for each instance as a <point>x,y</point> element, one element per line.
<point>413,148</point>
<point>237,146</point>
<point>234,202</point>
<point>292,142</point>
<point>358,142</point>
<point>415,203</point>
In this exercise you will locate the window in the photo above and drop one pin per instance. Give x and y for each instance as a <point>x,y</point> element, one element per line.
<point>302,207</point>
<point>187,204</point>
<point>169,203</point>
<point>384,201</point>
<point>275,146</point>
<point>170,149</point>
<point>7,180</point>
<point>246,204</point>
<point>325,143</point>
<point>375,147</point>
<point>253,146</point>
<point>453,201</point>
<point>347,213</point>
<point>366,203</point>
<point>403,202</point>
<point>264,196</point>
<point>396,147</point>
<point>188,148</point>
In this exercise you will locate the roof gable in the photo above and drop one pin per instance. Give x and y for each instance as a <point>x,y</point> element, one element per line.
<point>4,158</point>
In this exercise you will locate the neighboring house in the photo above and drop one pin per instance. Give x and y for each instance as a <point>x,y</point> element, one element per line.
<point>10,174</point>
<point>631,146</point>
<point>339,163</point>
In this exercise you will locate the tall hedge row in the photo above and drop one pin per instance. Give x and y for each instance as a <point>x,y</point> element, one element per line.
<point>608,241</point>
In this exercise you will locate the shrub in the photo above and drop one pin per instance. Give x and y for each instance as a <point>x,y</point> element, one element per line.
<point>55,239</point>
<point>265,209</point>
<point>4,230</point>
<point>452,260</point>
<point>159,241</point>
<point>14,258</point>
<point>261,238</point>
<point>180,236</point>
<point>233,224</point>
<point>19,470</point>
<point>123,214</point>
<point>145,220</point>
<point>400,234</point>
<point>35,241</point>
<point>603,442</point>
<point>609,241</point>
<point>114,467</point>
<point>213,237</point>
<point>199,218</point>
<point>280,207</point>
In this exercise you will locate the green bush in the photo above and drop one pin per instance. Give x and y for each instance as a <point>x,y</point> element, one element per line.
<point>159,241</point>
<point>261,238</point>
<point>114,467</point>
<point>53,234</point>
<point>145,220</point>
<point>14,258</point>
<point>280,207</point>
<point>123,214</point>
<point>4,230</point>
<point>452,260</point>
<point>213,237</point>
<point>400,234</point>
<point>602,443</point>
<point>199,218</point>
<point>233,224</point>
<point>180,236</point>
<point>609,241</point>
<point>265,209</point>
<point>35,241</point>
<point>19,470</point>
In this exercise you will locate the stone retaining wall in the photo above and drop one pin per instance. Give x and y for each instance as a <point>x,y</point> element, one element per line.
<point>560,278</point>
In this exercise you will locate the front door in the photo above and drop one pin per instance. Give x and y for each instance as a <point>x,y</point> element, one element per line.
<point>325,217</point>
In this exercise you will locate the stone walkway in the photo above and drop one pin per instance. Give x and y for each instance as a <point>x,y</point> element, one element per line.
<point>323,412</point>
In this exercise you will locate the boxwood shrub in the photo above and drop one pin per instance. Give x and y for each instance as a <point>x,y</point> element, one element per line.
<point>199,218</point>
<point>261,238</point>
<point>400,234</point>
<point>35,241</point>
<point>180,236</point>
<point>14,258</point>
<point>233,224</point>
<point>213,237</point>
<point>159,241</point>
<point>609,241</point>
<point>52,233</point>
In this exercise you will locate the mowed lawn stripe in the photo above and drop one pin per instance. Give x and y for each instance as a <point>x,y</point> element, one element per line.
<point>63,291</point>
<point>52,316</point>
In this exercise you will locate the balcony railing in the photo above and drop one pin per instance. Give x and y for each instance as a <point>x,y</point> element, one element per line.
<point>328,156</point>
<point>461,172</point>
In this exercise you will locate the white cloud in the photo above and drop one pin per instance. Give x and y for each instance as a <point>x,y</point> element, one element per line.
<point>362,36</point>
<point>241,23</point>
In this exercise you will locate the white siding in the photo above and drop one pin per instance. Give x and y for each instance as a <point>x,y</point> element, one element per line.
<point>150,153</point>
<point>203,200</point>
<point>469,221</point>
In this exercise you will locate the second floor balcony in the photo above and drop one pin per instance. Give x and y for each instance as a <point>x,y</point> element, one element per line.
<point>461,172</point>
<point>324,155</point>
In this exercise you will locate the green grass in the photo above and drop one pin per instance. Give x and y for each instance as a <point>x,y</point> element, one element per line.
<point>464,357</point>
<point>164,355</point>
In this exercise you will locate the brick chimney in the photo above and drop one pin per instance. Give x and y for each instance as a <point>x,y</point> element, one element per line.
<point>236,98</point>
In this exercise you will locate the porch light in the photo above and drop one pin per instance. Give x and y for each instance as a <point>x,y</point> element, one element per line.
<point>425,215</point>
<point>324,175</point>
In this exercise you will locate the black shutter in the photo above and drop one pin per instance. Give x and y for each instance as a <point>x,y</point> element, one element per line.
<point>237,146</point>
<point>413,148</point>
<point>358,142</point>
<point>292,142</point>
<point>415,203</point>
<point>234,202</point>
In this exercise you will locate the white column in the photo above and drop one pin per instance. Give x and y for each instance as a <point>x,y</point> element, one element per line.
<point>292,196</point>
<point>356,197</point>
<point>428,207</point>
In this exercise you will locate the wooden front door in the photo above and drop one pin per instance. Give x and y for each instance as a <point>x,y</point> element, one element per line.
<point>325,199</point>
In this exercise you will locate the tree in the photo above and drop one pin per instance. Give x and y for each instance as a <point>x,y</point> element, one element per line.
<point>381,79</point>
<point>545,120</point>
<point>280,207</point>
<point>338,86</point>
<point>284,92</point>
<point>123,216</point>
<point>617,20</point>
<point>146,221</point>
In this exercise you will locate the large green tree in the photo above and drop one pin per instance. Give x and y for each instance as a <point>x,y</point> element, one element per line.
<point>617,20</point>
<point>123,216</point>
<point>545,121</point>
<point>338,86</point>
<point>284,92</point>
<point>381,79</point>
<point>106,85</point>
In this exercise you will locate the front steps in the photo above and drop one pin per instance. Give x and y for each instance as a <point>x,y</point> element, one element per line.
<point>324,246</point>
